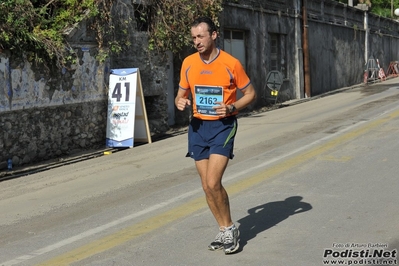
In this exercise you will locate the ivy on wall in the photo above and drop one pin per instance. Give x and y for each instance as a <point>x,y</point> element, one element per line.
<point>37,28</point>
<point>170,21</point>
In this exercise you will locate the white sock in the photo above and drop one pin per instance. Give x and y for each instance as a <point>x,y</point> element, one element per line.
<point>231,227</point>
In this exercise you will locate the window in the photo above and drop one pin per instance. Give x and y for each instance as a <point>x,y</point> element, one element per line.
<point>234,44</point>
<point>277,53</point>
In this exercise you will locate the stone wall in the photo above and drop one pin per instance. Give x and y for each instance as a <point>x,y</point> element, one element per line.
<point>25,85</point>
<point>42,133</point>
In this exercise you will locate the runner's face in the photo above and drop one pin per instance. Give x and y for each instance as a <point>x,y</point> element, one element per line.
<point>202,39</point>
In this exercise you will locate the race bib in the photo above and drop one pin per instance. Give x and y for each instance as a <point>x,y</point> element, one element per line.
<point>206,98</point>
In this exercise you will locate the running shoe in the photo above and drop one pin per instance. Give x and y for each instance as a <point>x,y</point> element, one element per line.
<point>218,242</point>
<point>231,239</point>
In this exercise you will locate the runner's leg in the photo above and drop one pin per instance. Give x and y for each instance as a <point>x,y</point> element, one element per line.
<point>211,172</point>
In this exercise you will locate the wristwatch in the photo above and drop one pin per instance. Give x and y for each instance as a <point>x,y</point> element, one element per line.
<point>232,108</point>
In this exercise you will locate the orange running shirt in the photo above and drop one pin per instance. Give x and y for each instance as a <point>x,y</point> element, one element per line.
<point>211,82</point>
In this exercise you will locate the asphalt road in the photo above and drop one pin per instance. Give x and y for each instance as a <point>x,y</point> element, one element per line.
<point>311,184</point>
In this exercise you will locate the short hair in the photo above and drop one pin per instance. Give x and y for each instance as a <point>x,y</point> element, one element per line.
<point>208,21</point>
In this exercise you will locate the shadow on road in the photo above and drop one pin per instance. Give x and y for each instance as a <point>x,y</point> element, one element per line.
<point>262,217</point>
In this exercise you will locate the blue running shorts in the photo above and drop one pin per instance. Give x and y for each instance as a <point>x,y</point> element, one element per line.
<point>207,137</point>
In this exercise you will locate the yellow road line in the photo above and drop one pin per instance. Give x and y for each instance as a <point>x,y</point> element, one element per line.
<point>342,159</point>
<point>127,234</point>
<point>194,205</point>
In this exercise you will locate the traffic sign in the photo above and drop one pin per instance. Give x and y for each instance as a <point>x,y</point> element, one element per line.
<point>274,80</point>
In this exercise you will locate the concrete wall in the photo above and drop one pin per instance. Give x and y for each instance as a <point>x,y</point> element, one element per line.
<point>258,19</point>
<point>339,57</point>
<point>338,45</point>
<point>383,40</point>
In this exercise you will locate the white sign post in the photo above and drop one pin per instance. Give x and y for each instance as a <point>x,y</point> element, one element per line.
<point>127,117</point>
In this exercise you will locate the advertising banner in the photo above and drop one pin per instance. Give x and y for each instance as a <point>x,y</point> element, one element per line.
<point>125,101</point>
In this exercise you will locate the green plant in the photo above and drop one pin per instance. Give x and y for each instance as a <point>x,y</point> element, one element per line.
<point>170,21</point>
<point>39,27</point>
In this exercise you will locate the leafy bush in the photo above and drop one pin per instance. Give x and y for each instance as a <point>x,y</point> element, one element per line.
<point>36,28</point>
<point>170,20</point>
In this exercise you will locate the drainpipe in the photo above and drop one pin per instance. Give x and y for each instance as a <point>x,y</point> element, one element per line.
<point>306,64</point>
<point>366,38</point>
<point>170,90</point>
<point>298,55</point>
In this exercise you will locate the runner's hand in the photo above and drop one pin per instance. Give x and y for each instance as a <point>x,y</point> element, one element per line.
<point>221,109</point>
<point>183,103</point>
